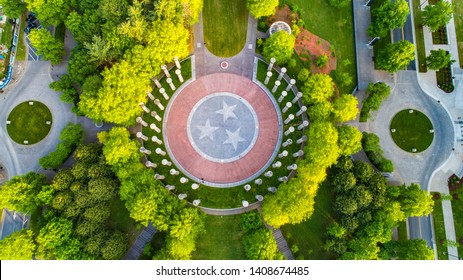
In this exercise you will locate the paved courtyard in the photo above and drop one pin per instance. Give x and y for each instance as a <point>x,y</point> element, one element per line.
<point>222,130</point>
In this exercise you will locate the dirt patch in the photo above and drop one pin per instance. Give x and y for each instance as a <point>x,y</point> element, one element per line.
<point>310,46</point>
<point>284,14</point>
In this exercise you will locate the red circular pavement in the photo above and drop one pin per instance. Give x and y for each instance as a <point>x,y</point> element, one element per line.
<point>215,173</point>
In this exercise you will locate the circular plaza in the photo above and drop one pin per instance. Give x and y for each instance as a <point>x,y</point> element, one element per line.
<point>222,130</point>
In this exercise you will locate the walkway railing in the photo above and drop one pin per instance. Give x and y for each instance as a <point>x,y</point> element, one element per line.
<point>14,45</point>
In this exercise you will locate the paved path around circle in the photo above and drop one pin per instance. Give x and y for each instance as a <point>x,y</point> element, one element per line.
<point>225,174</point>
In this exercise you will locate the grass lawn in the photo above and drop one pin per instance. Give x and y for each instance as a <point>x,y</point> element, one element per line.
<point>335,26</point>
<point>402,231</point>
<point>222,240</point>
<point>457,210</point>
<point>412,131</point>
<point>120,220</point>
<point>419,37</point>
<point>21,50</point>
<point>310,236</point>
<point>458,17</point>
<point>7,35</point>
<point>225,25</point>
<point>28,122</point>
<point>60,32</point>
<point>439,230</point>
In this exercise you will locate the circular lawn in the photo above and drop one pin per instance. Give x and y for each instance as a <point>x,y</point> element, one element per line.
<point>29,122</point>
<point>412,131</point>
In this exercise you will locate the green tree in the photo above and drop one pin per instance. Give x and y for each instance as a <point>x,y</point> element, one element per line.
<point>377,92</point>
<point>439,59</point>
<point>79,67</point>
<point>88,153</point>
<point>318,88</point>
<point>349,140</point>
<point>262,8</point>
<point>115,246</point>
<point>191,10</point>
<point>98,50</point>
<point>20,192</point>
<point>321,60</point>
<point>50,11</point>
<point>13,8</point>
<point>388,16</point>
<point>260,245</point>
<point>345,108</point>
<point>320,111</point>
<point>251,221</point>
<point>118,147</point>
<point>437,15</point>
<point>18,246</point>
<point>303,74</point>
<point>396,56</point>
<point>412,249</point>
<point>414,201</point>
<point>279,46</point>
<point>55,234</point>
<point>51,48</point>
<point>322,146</point>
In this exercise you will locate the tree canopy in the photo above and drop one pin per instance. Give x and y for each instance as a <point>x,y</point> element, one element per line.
<point>20,192</point>
<point>51,48</point>
<point>279,46</point>
<point>318,88</point>
<point>388,16</point>
<point>439,59</point>
<point>437,15</point>
<point>395,56</point>
<point>262,8</point>
<point>13,8</point>
<point>18,246</point>
<point>50,11</point>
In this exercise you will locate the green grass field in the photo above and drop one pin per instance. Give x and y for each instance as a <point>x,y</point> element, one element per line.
<point>335,26</point>
<point>21,50</point>
<point>412,131</point>
<point>439,230</point>
<point>28,122</point>
<point>310,236</point>
<point>457,210</point>
<point>222,240</point>
<point>120,220</point>
<point>225,24</point>
<point>458,17</point>
<point>420,49</point>
<point>402,231</point>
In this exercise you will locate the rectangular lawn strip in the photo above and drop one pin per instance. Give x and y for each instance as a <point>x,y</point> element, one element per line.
<point>335,26</point>
<point>225,25</point>
<point>310,236</point>
<point>222,240</point>
<point>402,229</point>
<point>458,18</point>
<point>457,210</point>
<point>120,220</point>
<point>439,229</point>
<point>60,31</point>
<point>420,48</point>
<point>21,50</point>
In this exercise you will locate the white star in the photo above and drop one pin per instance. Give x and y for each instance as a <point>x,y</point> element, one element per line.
<point>234,138</point>
<point>227,111</point>
<point>207,130</point>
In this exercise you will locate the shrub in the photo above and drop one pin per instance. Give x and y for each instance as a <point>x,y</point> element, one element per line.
<point>321,61</point>
<point>303,75</point>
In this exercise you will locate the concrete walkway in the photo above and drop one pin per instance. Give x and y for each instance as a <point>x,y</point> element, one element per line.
<point>138,246</point>
<point>408,91</point>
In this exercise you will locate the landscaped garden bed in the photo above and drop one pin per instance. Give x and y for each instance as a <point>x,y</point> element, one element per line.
<point>420,48</point>
<point>445,79</point>
<point>440,36</point>
<point>439,227</point>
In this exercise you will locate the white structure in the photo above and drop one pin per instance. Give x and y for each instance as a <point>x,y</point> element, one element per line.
<point>291,83</point>
<point>267,79</point>
<point>299,153</point>
<point>156,140</point>
<point>166,162</point>
<point>171,84</point>
<point>247,187</point>
<point>283,154</point>
<point>164,68</point>
<point>259,197</point>
<point>301,111</point>
<point>297,97</point>
<point>287,106</point>
<point>289,118</point>
<point>245,203</point>
<point>258,181</point>
<point>183,180</point>
<point>158,103</point>
<point>151,96</point>
<point>150,164</point>
<point>272,189</point>
<point>196,202</point>
<point>282,96</point>
<point>156,116</point>
<point>179,75</point>
<point>268,174</point>
<point>177,63</point>
<point>283,179</point>
<point>270,66</point>
<point>279,26</point>
<point>182,196</point>
<point>292,167</point>
<point>282,73</point>
<point>141,136</point>
<point>170,187</point>
<point>276,164</point>
<point>174,172</point>
<point>302,139</point>
<point>141,121</point>
<point>159,177</point>
<point>303,125</point>
<point>145,150</point>
<point>154,127</point>
<point>157,83</point>
<point>194,186</point>
<point>164,94</point>
<point>287,142</point>
<point>159,151</point>
<point>289,131</point>
<point>143,106</point>
<point>275,87</point>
